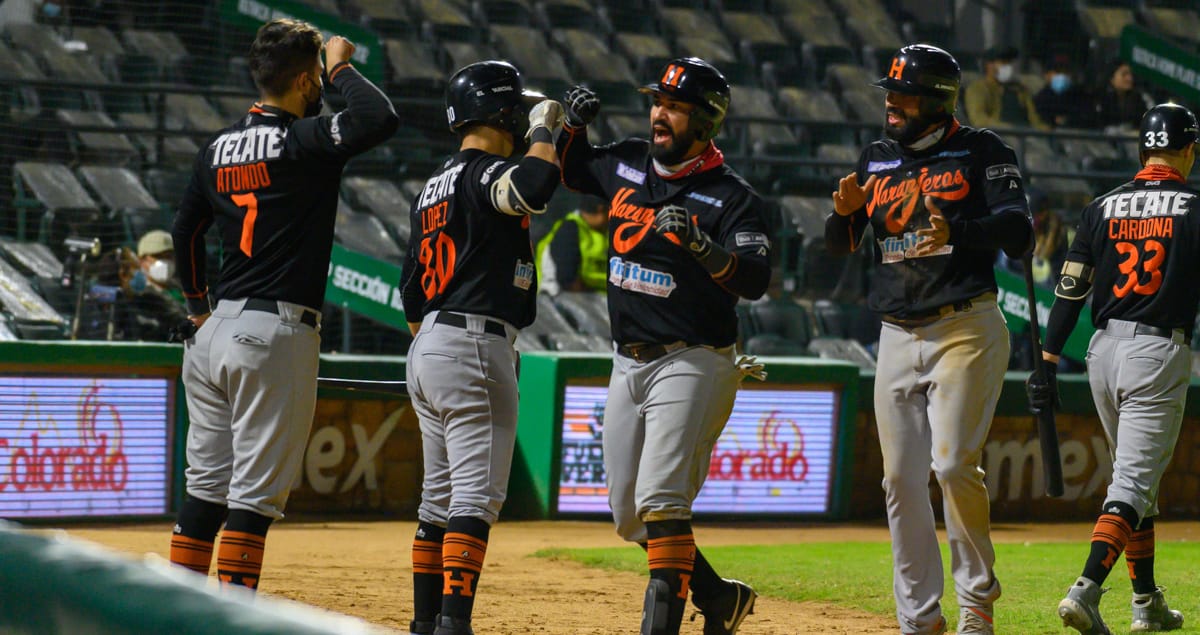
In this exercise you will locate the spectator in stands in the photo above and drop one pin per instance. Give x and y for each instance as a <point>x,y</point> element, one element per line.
<point>997,99</point>
<point>574,255</point>
<point>151,307</point>
<point>1120,104</point>
<point>1058,101</point>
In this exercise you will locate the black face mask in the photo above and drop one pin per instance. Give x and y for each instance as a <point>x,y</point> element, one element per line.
<point>313,108</point>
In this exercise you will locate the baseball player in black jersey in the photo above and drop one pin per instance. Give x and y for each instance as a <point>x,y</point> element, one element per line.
<point>270,183</point>
<point>942,198</point>
<point>468,285</point>
<point>687,238</point>
<point>1137,251</point>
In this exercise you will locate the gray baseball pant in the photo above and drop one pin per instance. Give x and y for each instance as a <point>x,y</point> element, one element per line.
<point>251,383</point>
<point>463,385</point>
<point>936,389</point>
<point>661,421</point>
<point>1139,384</point>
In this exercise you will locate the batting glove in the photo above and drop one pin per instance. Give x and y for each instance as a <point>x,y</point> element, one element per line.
<point>676,225</point>
<point>749,366</point>
<point>582,105</point>
<point>1042,388</point>
<point>545,119</point>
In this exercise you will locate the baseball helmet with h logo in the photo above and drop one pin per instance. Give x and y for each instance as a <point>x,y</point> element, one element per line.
<point>927,71</point>
<point>695,81</point>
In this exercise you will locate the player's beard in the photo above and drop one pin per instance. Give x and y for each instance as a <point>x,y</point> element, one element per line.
<point>910,129</point>
<point>675,149</point>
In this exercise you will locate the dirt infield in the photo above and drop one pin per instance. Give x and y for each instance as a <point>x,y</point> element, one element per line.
<point>363,569</point>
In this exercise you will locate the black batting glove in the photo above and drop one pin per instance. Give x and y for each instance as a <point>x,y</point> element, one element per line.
<point>1042,388</point>
<point>676,225</point>
<point>581,105</point>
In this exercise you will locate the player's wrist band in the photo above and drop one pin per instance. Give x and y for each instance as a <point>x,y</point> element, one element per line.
<point>541,134</point>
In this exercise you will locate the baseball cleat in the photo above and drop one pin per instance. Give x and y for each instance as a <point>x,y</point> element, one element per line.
<point>1080,610</point>
<point>1150,613</point>
<point>656,608</point>
<point>725,614</point>
<point>447,625</point>
<point>421,628</point>
<point>975,620</point>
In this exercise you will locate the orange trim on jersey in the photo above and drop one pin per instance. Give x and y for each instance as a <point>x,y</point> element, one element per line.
<point>337,69</point>
<point>728,271</point>
<point>257,109</point>
<point>1159,173</point>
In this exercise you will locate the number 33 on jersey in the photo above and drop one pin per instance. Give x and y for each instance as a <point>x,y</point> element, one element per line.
<point>1142,239</point>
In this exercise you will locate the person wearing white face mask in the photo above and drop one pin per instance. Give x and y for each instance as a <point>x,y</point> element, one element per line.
<point>150,305</point>
<point>998,100</point>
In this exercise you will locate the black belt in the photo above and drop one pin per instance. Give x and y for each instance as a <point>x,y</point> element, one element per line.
<point>307,316</point>
<point>1157,331</point>
<point>643,353</point>
<point>460,321</point>
<point>926,318</point>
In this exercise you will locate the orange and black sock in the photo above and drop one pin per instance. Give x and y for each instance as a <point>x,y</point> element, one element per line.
<point>463,549</point>
<point>195,532</point>
<point>1112,532</point>
<point>671,553</point>
<point>1139,555</point>
<point>706,584</point>
<point>427,572</point>
<point>240,556</point>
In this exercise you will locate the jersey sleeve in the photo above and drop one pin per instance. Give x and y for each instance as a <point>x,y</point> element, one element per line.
<point>1003,186</point>
<point>367,121</point>
<point>744,234</point>
<point>843,234</point>
<point>587,168</point>
<point>192,220</point>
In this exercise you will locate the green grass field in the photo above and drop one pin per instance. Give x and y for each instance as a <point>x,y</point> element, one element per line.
<point>858,575</point>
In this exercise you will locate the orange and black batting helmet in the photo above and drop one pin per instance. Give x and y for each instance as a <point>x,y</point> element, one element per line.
<point>925,70</point>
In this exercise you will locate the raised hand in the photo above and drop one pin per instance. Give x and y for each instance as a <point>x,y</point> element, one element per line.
<point>850,196</point>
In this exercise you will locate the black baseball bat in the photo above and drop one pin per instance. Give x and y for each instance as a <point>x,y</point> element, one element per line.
<point>1047,430</point>
<point>366,385</point>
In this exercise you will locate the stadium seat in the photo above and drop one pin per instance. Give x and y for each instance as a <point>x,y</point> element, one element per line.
<point>447,19</point>
<point>693,23</point>
<point>32,259</point>
<point>878,36</point>
<point>383,199</point>
<point>167,185</point>
<point>29,315</point>
<point>782,317</point>
<point>550,321</point>
<point>463,53</point>
<point>807,215</point>
<point>1178,20</point>
<point>772,345</point>
<point>592,61</point>
<point>232,107</point>
<point>51,188</point>
<point>103,47</point>
<point>527,341</point>
<point>511,12</point>
<point>568,14</point>
<point>389,17</point>
<point>412,66</point>
<point>542,66</point>
<point>176,150</point>
<point>364,233</point>
<point>587,310</point>
<point>844,349</point>
<point>110,147</point>
<point>18,103</point>
<point>193,112</point>
<point>121,192</point>
<point>160,53</point>
<point>748,101</point>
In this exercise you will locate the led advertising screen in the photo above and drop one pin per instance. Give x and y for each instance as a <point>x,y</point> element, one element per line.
<point>84,446</point>
<point>775,456</point>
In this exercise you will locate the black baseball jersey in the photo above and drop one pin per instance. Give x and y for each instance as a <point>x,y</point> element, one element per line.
<point>271,183</point>
<point>657,291</point>
<point>970,175</point>
<point>1143,239</point>
<point>465,255</point>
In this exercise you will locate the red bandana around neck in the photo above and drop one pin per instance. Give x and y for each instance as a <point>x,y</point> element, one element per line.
<point>1159,173</point>
<point>703,162</point>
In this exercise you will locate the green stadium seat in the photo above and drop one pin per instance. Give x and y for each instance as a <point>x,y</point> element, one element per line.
<point>109,147</point>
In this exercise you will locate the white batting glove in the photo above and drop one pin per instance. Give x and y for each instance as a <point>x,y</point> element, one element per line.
<point>546,115</point>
